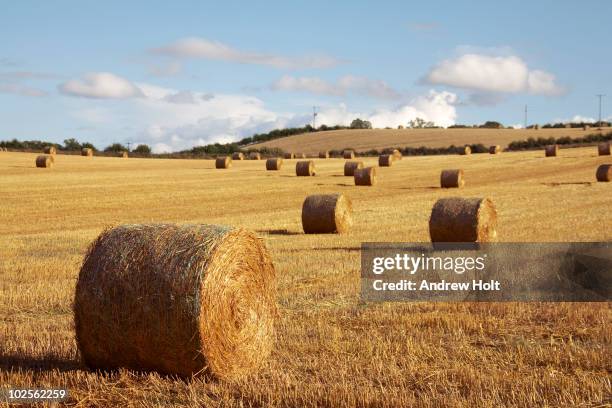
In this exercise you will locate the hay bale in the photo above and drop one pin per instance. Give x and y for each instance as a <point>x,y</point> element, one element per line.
<point>178,299</point>
<point>254,156</point>
<point>397,155</point>
<point>385,160</point>
<point>274,164</point>
<point>365,176</point>
<point>351,166</point>
<point>324,155</point>
<point>224,162</point>
<point>457,219</point>
<point>327,214</point>
<point>238,156</point>
<point>44,161</point>
<point>466,151</point>
<point>348,154</point>
<point>87,152</point>
<point>586,127</point>
<point>300,156</point>
<point>604,149</point>
<point>289,156</point>
<point>536,127</point>
<point>551,150</point>
<point>305,168</point>
<point>452,178</point>
<point>50,150</point>
<point>123,155</point>
<point>496,149</point>
<point>604,172</point>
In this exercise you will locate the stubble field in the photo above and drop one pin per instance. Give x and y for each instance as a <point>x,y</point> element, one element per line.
<point>330,349</point>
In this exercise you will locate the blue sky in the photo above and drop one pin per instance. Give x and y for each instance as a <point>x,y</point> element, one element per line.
<point>179,74</point>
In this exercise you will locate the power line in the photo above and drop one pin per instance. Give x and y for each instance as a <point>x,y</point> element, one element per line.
<point>525,116</point>
<point>600,96</point>
<point>314,117</point>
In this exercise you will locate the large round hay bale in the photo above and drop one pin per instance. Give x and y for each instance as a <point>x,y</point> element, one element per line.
<point>327,214</point>
<point>551,150</point>
<point>178,299</point>
<point>237,156</point>
<point>457,219</point>
<point>44,161</point>
<point>224,162</point>
<point>305,168</point>
<point>348,154</point>
<point>385,160</point>
<point>289,156</point>
<point>604,172</point>
<point>586,127</point>
<point>50,150</point>
<point>351,166</point>
<point>274,163</point>
<point>365,176</point>
<point>397,154</point>
<point>324,155</point>
<point>604,149</point>
<point>452,178</point>
<point>254,156</point>
<point>465,151</point>
<point>496,149</point>
<point>86,151</point>
<point>123,155</point>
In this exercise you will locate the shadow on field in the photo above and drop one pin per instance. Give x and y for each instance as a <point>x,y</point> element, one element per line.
<point>575,183</point>
<point>421,188</point>
<point>279,232</point>
<point>43,363</point>
<point>343,185</point>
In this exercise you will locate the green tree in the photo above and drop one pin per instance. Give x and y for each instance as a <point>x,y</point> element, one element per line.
<point>89,145</point>
<point>72,144</point>
<point>361,124</point>
<point>116,147</point>
<point>143,149</point>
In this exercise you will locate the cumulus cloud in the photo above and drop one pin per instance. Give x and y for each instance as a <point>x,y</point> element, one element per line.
<point>344,85</point>
<point>195,47</point>
<point>506,74</point>
<point>100,85</point>
<point>576,119</point>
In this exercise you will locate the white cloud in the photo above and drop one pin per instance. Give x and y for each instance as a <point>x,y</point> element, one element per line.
<point>22,90</point>
<point>195,47</point>
<point>100,85</point>
<point>507,74</point>
<point>576,119</point>
<point>343,86</point>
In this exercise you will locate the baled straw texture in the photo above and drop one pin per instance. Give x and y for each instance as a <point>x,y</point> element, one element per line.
<point>385,160</point>
<point>44,161</point>
<point>452,178</point>
<point>457,219</point>
<point>365,177</point>
<point>327,214</point>
<point>50,150</point>
<point>604,149</point>
<point>274,163</point>
<point>86,151</point>
<point>324,155</point>
<point>348,154</point>
<point>397,155</point>
<point>224,162</point>
<point>551,150</point>
<point>604,172</point>
<point>496,149</point>
<point>351,166</point>
<point>180,300</point>
<point>586,127</point>
<point>305,168</point>
<point>467,150</point>
<point>254,156</point>
<point>124,155</point>
<point>238,156</point>
<point>289,156</point>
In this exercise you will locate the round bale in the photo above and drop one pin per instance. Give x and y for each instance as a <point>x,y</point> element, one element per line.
<point>466,151</point>
<point>305,168</point>
<point>178,299</point>
<point>289,156</point>
<point>87,152</point>
<point>50,150</point>
<point>224,162</point>
<point>237,156</point>
<point>604,172</point>
<point>324,155</point>
<point>351,166</point>
<point>254,156</point>
<point>123,155</point>
<point>496,149</point>
<point>397,154</point>
<point>604,149</point>
<point>44,161</point>
<point>452,178</point>
<point>348,154</point>
<point>457,219</point>
<point>385,160</point>
<point>274,163</point>
<point>326,214</point>
<point>551,150</point>
<point>365,177</point>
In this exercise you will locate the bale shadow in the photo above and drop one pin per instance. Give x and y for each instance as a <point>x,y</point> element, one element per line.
<point>279,232</point>
<point>421,188</point>
<point>574,183</point>
<point>10,361</point>
<point>344,185</point>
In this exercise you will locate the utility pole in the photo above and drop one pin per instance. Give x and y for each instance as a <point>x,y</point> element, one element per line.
<point>314,117</point>
<point>128,145</point>
<point>600,96</point>
<point>525,116</point>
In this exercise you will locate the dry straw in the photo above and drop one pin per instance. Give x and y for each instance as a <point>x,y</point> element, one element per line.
<point>300,155</point>
<point>348,154</point>
<point>496,149</point>
<point>254,156</point>
<point>50,150</point>
<point>586,127</point>
<point>365,177</point>
<point>86,151</point>
<point>324,155</point>
<point>397,155</point>
<point>457,219</point>
<point>467,150</point>
<point>452,178</point>
<point>326,214</point>
<point>274,163</point>
<point>305,168</point>
<point>604,172</point>
<point>385,160</point>
<point>351,166</point>
<point>178,299</point>
<point>238,156</point>
<point>224,162</point>
<point>124,155</point>
<point>604,149</point>
<point>289,156</point>
<point>44,161</point>
<point>551,150</point>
